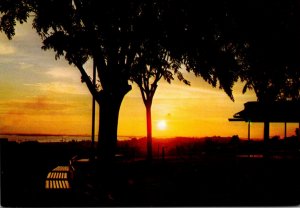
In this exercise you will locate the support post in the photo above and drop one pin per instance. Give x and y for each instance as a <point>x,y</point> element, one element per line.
<point>93,109</point>
<point>266,130</point>
<point>284,130</point>
<point>266,137</point>
<point>248,131</point>
<point>299,132</point>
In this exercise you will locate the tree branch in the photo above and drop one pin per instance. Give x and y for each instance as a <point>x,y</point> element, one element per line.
<point>143,93</point>
<point>88,82</point>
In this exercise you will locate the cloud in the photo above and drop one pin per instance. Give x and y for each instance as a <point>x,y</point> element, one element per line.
<point>61,88</point>
<point>38,105</point>
<point>6,49</point>
<point>177,91</point>
<point>41,113</point>
<point>65,73</point>
<point>43,103</point>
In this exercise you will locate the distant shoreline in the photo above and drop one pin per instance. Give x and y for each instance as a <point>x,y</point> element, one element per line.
<point>23,137</point>
<point>36,134</point>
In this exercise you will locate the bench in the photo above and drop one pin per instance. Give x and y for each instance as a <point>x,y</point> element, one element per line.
<point>58,178</point>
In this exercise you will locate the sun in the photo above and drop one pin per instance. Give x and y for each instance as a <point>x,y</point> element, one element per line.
<point>162,125</point>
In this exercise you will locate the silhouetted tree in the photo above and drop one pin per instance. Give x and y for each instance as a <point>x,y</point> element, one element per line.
<point>79,30</point>
<point>146,75</point>
<point>270,32</point>
<point>153,64</point>
<point>190,36</point>
<point>255,41</point>
<point>105,32</point>
<point>221,41</point>
<point>153,61</point>
<point>200,34</point>
<point>115,34</point>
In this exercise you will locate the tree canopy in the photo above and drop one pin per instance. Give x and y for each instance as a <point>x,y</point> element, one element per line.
<point>221,41</point>
<point>270,32</point>
<point>191,33</point>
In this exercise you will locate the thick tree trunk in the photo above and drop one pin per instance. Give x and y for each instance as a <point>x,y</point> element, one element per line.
<point>108,124</point>
<point>114,87</point>
<point>149,131</point>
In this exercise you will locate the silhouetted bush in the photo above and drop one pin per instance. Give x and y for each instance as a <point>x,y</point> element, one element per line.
<point>275,138</point>
<point>235,139</point>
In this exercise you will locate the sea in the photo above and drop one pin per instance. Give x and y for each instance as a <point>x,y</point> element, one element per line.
<point>54,138</point>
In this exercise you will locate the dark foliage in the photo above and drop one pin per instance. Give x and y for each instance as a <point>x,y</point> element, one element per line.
<point>221,41</point>
<point>270,32</point>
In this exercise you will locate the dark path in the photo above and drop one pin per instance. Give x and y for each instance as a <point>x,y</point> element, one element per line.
<point>195,182</point>
<point>206,180</point>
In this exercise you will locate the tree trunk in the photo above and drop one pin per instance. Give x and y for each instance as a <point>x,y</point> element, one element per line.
<point>108,124</point>
<point>149,131</point>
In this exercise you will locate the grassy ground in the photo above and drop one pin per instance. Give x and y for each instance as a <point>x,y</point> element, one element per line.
<point>205,178</point>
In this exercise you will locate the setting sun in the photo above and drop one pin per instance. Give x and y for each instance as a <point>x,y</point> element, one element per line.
<point>162,125</point>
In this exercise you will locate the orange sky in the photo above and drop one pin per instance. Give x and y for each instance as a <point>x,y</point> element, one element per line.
<point>42,95</point>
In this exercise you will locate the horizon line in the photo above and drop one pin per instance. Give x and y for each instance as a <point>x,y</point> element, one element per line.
<point>130,136</point>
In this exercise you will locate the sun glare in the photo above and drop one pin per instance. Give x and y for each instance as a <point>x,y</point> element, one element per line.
<point>162,125</point>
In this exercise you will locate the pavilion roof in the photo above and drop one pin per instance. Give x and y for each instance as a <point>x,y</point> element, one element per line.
<point>279,111</point>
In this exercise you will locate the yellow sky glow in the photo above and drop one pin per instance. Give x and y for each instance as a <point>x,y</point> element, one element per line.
<point>41,95</point>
